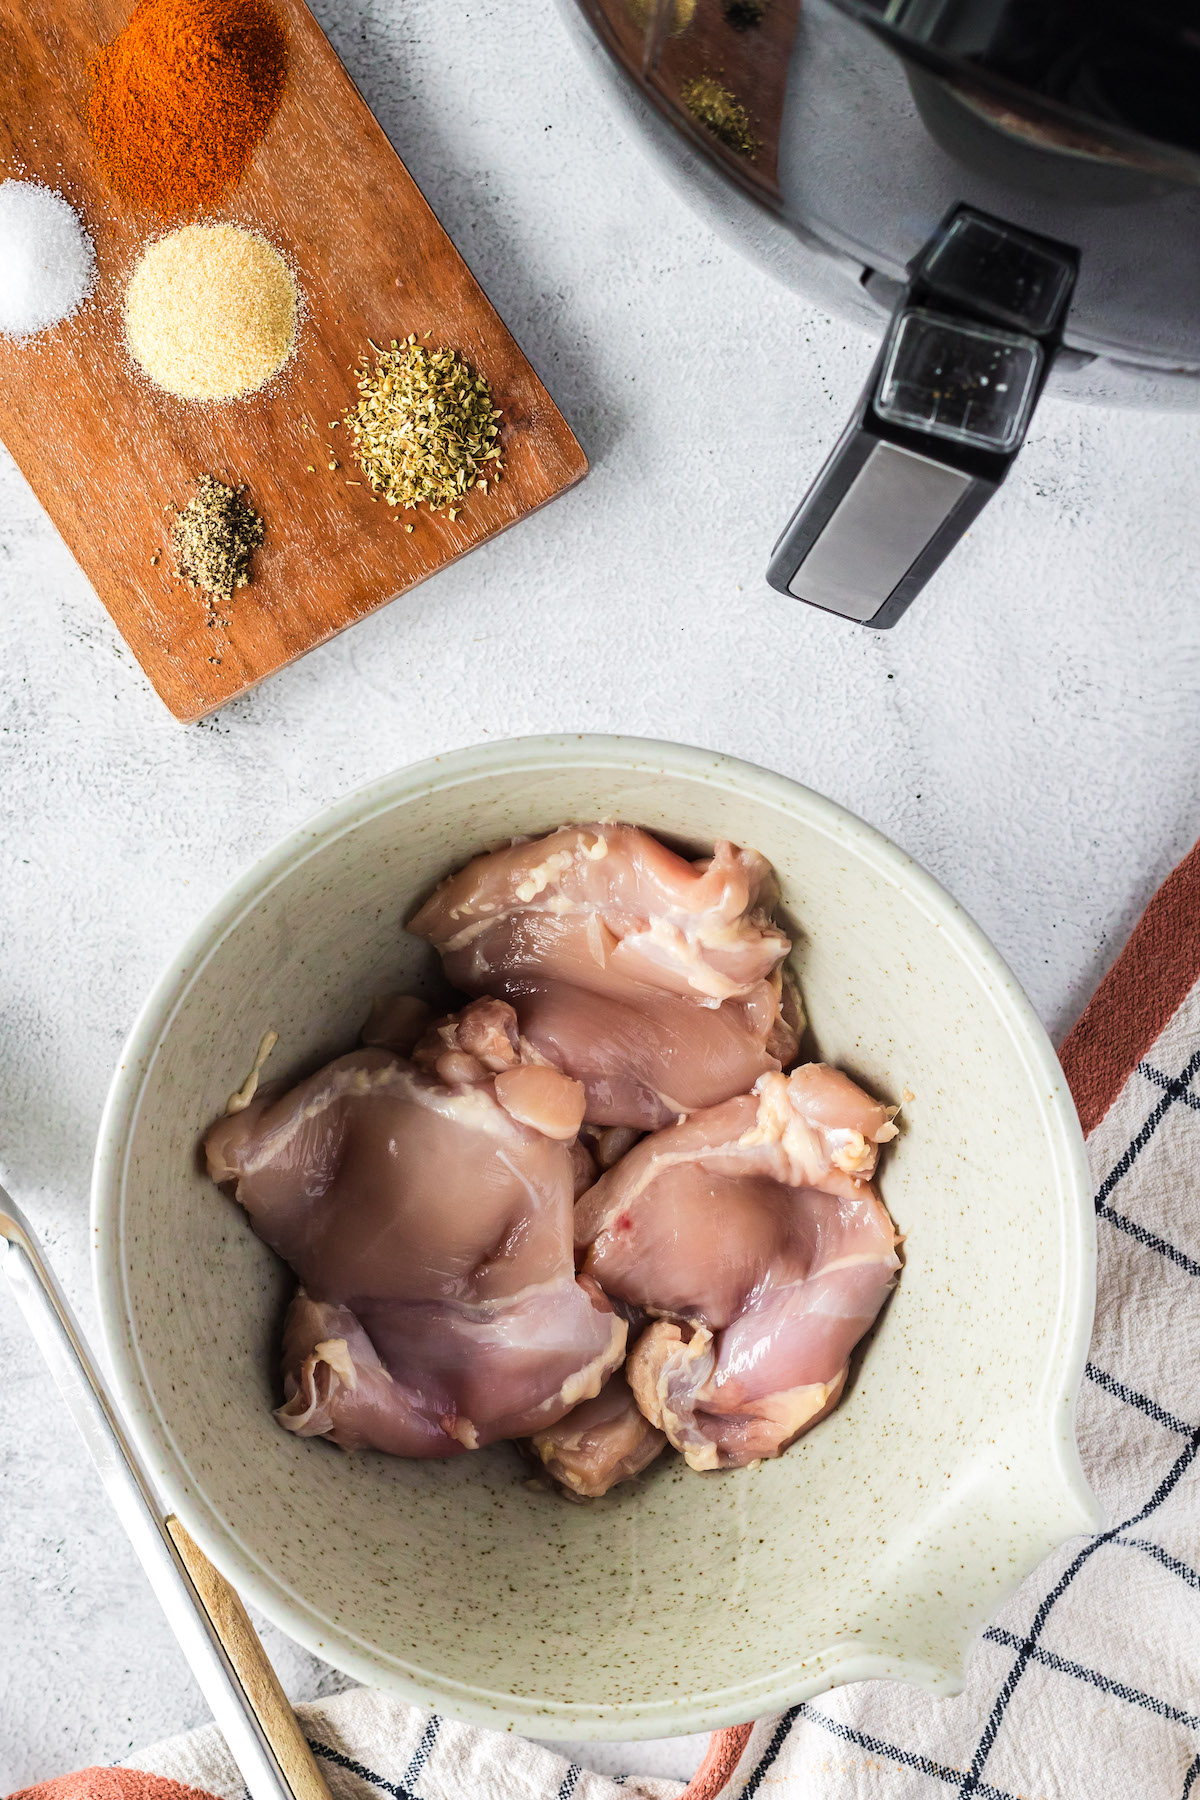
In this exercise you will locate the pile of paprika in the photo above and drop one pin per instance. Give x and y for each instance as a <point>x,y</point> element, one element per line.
<point>180,99</point>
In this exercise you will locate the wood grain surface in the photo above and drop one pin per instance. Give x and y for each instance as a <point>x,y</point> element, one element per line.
<point>243,1646</point>
<point>110,456</point>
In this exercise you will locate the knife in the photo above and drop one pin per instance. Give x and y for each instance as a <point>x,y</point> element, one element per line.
<point>222,1648</point>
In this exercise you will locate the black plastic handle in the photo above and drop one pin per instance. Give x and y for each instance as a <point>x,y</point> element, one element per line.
<point>936,428</point>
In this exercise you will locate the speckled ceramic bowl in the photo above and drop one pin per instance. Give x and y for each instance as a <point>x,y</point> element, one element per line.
<point>875,1547</point>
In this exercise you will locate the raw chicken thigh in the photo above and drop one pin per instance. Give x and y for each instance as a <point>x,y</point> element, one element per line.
<point>751,1233</point>
<point>600,1442</point>
<point>425,1205</point>
<point>425,1189</point>
<point>655,981</point>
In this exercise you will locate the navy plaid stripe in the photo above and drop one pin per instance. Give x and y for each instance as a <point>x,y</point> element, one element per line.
<point>865,1740</point>
<point>569,1782</point>
<point>971,1783</point>
<point>1149,1240</point>
<point>356,1768</point>
<point>1135,1696</point>
<point>421,1753</point>
<point>400,1790</point>
<point>1189,1781</point>
<point>1131,1397</point>
<point>1164,1081</point>
<point>778,1738</point>
<point>1174,1090</point>
<point>1149,1548</point>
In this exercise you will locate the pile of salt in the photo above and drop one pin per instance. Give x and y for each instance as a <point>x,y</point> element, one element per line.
<point>47,264</point>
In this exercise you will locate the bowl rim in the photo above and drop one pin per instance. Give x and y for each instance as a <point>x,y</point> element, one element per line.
<point>832,1664</point>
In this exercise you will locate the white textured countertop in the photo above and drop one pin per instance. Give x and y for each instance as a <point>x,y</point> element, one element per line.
<point>1031,731</point>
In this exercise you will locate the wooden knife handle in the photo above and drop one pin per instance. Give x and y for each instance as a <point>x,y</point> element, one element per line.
<point>280,1726</point>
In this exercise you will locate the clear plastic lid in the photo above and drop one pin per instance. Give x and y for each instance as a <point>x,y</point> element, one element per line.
<point>965,382</point>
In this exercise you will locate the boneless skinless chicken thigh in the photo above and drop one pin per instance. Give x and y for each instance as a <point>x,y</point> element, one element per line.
<point>422,1187</point>
<point>752,1234</point>
<point>425,1205</point>
<point>655,981</point>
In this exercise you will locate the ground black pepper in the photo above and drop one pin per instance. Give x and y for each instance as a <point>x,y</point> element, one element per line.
<point>214,537</point>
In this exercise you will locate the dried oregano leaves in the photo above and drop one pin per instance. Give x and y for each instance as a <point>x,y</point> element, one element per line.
<point>424,428</point>
<point>712,104</point>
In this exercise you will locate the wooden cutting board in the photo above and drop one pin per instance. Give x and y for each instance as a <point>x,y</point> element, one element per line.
<point>109,455</point>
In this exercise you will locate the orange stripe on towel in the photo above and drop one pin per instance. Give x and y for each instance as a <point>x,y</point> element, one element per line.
<point>1139,996</point>
<point>111,1784</point>
<point>720,1760</point>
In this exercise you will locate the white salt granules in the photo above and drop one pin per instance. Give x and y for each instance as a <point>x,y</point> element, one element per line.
<point>47,264</point>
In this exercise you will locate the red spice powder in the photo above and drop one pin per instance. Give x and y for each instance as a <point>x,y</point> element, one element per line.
<point>181,98</point>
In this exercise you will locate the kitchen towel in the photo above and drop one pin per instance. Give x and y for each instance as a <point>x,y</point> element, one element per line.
<point>1086,1684</point>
